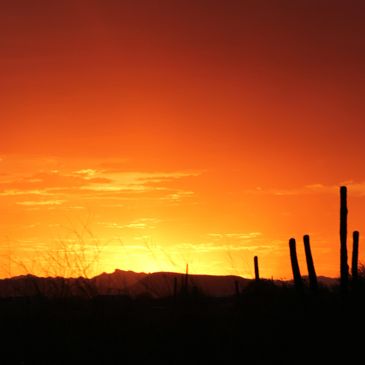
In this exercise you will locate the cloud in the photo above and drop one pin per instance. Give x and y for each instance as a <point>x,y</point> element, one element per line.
<point>240,236</point>
<point>23,192</point>
<point>210,247</point>
<point>137,181</point>
<point>87,172</point>
<point>227,242</point>
<point>43,181</point>
<point>177,196</point>
<point>66,181</point>
<point>141,223</point>
<point>41,202</point>
<point>120,188</point>
<point>356,188</point>
<point>98,181</point>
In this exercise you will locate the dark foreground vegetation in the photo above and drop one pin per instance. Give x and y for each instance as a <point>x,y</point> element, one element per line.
<point>265,324</point>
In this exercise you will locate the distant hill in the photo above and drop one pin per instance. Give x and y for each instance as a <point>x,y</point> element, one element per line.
<point>118,282</point>
<point>161,284</point>
<point>156,285</point>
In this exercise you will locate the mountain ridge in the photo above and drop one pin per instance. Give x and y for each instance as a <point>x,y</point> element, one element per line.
<point>130,283</point>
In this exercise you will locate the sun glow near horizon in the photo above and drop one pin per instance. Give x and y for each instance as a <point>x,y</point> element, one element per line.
<point>70,218</point>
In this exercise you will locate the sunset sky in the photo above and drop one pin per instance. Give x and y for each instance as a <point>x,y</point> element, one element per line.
<point>144,135</point>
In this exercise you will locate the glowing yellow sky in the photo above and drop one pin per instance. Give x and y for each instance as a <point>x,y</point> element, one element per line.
<point>62,216</point>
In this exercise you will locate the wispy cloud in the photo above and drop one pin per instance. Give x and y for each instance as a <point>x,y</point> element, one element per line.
<point>177,196</point>
<point>241,236</point>
<point>357,188</point>
<point>141,223</point>
<point>41,202</point>
<point>136,181</point>
<point>23,192</point>
<point>89,173</point>
<point>228,242</point>
<point>57,182</point>
<point>210,247</point>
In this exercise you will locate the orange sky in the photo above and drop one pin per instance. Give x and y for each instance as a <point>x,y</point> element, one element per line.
<point>146,134</point>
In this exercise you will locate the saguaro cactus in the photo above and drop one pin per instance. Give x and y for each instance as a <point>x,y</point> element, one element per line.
<point>344,269</point>
<point>294,264</point>
<point>355,256</point>
<point>313,284</point>
<point>256,264</point>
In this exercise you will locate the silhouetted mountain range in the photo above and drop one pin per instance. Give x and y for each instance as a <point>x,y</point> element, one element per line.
<point>155,285</point>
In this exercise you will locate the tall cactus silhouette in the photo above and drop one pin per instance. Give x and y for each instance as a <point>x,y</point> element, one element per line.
<point>355,256</point>
<point>256,264</point>
<point>313,284</point>
<point>344,269</point>
<point>294,264</point>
